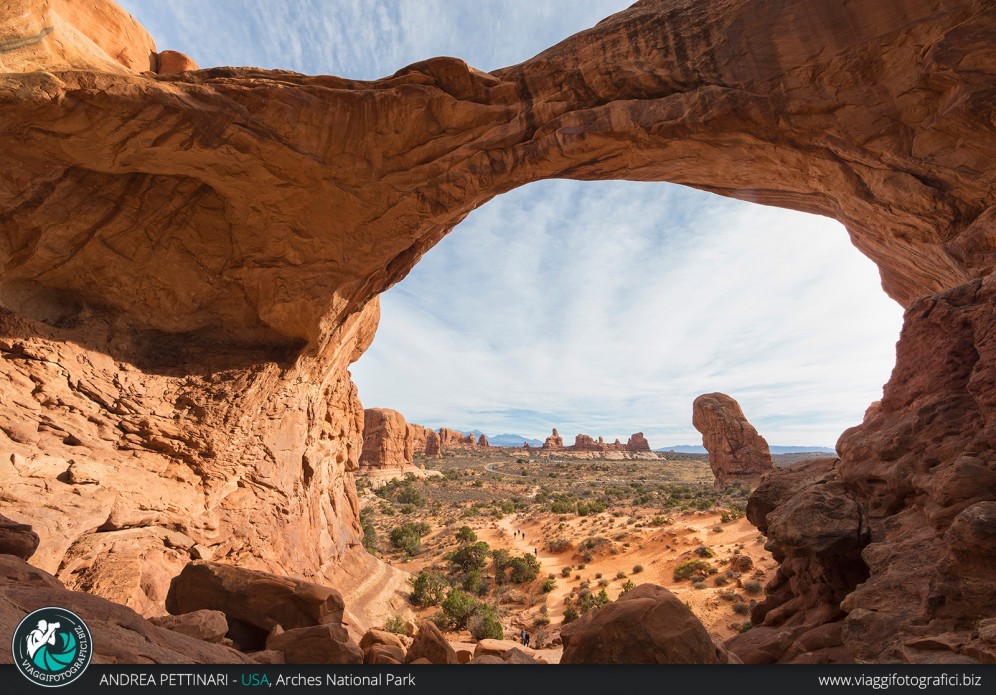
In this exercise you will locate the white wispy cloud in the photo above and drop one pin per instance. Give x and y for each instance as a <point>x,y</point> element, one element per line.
<point>599,307</point>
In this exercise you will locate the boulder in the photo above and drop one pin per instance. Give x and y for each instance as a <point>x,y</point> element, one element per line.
<point>374,636</point>
<point>383,654</point>
<point>17,539</point>
<point>430,644</point>
<point>257,598</point>
<point>647,625</point>
<point>172,62</point>
<point>737,453</point>
<point>318,644</point>
<point>207,625</point>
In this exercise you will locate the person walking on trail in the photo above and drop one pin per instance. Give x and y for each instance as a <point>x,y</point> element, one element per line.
<point>524,637</point>
<point>536,552</point>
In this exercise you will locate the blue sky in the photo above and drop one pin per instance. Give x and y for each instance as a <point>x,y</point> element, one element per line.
<point>602,308</point>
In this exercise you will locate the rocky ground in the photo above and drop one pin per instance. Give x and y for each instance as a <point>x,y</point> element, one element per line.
<point>593,525</point>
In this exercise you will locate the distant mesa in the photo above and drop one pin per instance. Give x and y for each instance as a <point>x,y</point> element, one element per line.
<point>737,453</point>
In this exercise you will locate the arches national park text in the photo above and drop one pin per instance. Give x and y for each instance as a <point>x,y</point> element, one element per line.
<point>256,679</point>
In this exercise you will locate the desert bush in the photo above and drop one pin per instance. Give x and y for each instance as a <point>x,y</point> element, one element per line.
<point>700,584</point>
<point>474,582</point>
<point>370,539</point>
<point>703,551</point>
<point>566,571</point>
<point>559,545</point>
<point>688,568</point>
<point>408,536</point>
<point>745,627</point>
<point>397,625</point>
<point>458,607</point>
<point>570,614</point>
<point>541,621</point>
<point>470,557</point>
<point>548,586</point>
<point>741,608</point>
<point>427,588</point>
<point>752,586</point>
<point>637,569</point>
<point>720,580</point>
<point>627,587</point>
<point>466,534</point>
<point>483,624</point>
<point>620,575</point>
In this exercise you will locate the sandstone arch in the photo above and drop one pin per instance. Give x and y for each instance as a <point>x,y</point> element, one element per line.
<point>192,261</point>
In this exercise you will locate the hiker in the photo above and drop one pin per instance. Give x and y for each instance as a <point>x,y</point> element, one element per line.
<point>524,637</point>
<point>536,552</point>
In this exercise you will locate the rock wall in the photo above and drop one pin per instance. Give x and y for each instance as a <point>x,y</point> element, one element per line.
<point>388,441</point>
<point>175,349</point>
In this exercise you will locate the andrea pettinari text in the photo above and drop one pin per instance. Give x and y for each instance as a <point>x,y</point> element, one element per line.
<point>254,679</point>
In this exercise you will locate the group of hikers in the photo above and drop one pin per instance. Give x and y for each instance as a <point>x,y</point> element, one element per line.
<point>521,534</point>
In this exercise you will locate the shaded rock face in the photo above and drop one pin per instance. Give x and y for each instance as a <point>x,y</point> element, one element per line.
<point>886,553</point>
<point>17,539</point>
<point>737,453</point>
<point>175,377</point>
<point>483,441</point>
<point>257,599</point>
<point>647,625</point>
<point>388,441</point>
<point>120,635</point>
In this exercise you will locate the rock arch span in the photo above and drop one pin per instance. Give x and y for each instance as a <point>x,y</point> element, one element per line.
<point>192,261</point>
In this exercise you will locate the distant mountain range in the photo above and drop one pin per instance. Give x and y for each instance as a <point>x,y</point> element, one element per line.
<point>692,449</point>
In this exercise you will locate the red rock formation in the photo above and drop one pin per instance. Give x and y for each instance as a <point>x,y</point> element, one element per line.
<point>637,442</point>
<point>554,441</point>
<point>432,445</point>
<point>483,441</point>
<point>582,442</point>
<point>737,453</point>
<point>166,351</point>
<point>417,436</point>
<point>448,437</point>
<point>387,439</point>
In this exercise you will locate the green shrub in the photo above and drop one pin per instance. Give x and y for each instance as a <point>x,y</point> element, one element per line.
<point>566,571</point>
<point>703,551</point>
<point>474,582</point>
<point>428,588</point>
<point>720,580</point>
<point>745,627</point>
<point>370,539</point>
<point>470,557</point>
<point>408,537</point>
<point>484,624</point>
<point>570,614</point>
<point>409,495</point>
<point>627,587</point>
<point>466,535</point>
<point>397,625</point>
<point>548,586</point>
<point>688,568</point>
<point>458,607</point>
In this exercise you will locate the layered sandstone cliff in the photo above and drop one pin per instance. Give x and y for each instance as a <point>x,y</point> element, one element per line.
<point>191,263</point>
